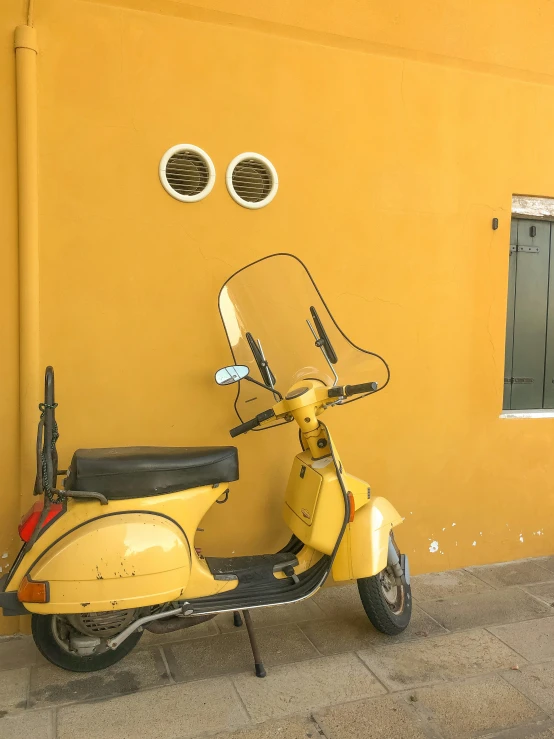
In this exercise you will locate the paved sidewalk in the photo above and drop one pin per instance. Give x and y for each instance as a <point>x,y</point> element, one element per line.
<point>477,660</point>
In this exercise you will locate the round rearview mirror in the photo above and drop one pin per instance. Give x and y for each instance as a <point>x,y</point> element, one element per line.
<point>229,375</point>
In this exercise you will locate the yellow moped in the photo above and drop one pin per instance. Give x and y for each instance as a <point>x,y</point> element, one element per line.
<point>111,551</point>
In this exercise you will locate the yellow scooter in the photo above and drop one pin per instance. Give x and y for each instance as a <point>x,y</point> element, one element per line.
<point>111,552</point>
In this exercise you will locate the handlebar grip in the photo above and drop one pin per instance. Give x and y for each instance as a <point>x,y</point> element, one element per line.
<point>363,387</point>
<point>249,425</point>
<point>347,390</point>
<point>244,427</point>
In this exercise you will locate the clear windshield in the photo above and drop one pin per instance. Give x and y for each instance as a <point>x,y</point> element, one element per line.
<point>265,308</point>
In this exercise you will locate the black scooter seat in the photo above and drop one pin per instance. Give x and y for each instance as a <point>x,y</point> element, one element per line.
<point>140,471</point>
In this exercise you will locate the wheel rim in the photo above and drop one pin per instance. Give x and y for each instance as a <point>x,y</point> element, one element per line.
<point>393,592</point>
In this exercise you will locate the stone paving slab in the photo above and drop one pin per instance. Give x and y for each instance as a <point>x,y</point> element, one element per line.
<point>305,686</point>
<point>381,718</point>
<point>231,652</point>
<point>544,591</point>
<point>443,584</point>
<point>547,562</point>
<point>443,658</point>
<point>18,651</point>
<point>537,683</point>
<point>29,725</point>
<point>540,730</point>
<point>342,601</point>
<point>141,669</point>
<point>534,640</point>
<point>356,632</point>
<point>524,571</point>
<point>474,707</point>
<point>162,713</point>
<point>484,609</point>
<point>297,727</point>
<point>14,685</point>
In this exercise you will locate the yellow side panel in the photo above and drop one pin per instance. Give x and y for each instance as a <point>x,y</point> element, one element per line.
<point>315,492</point>
<point>364,547</point>
<point>185,507</point>
<point>121,561</point>
<point>303,491</point>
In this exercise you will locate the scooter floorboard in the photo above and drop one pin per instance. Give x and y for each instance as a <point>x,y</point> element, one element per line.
<point>268,593</point>
<point>255,569</point>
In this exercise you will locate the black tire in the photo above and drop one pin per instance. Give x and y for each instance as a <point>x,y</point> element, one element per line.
<point>387,617</point>
<point>47,644</point>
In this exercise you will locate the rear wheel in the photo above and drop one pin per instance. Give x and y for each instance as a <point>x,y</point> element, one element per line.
<point>79,642</point>
<point>387,601</point>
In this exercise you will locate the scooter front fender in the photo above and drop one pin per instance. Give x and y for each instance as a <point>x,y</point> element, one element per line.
<point>364,547</point>
<point>123,560</point>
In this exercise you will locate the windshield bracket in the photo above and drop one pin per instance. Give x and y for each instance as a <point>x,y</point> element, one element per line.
<point>320,342</point>
<point>267,375</point>
<point>324,340</point>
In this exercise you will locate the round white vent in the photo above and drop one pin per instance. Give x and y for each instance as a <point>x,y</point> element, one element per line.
<point>252,180</point>
<point>187,173</point>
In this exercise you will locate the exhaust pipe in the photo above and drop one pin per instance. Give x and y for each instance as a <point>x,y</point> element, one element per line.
<point>167,625</point>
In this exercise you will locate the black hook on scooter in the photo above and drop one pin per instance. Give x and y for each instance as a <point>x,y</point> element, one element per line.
<point>47,436</point>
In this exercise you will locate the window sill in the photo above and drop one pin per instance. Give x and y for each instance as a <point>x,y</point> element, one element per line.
<point>538,413</point>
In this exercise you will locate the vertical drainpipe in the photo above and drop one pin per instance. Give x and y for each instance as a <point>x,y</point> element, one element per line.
<point>26,51</point>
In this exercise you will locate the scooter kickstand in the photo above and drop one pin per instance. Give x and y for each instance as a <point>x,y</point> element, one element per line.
<point>258,664</point>
<point>237,620</point>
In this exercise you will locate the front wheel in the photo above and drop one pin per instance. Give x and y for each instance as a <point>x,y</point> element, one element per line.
<point>79,643</point>
<point>386,601</point>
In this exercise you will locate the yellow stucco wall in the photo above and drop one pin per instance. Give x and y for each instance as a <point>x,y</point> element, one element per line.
<point>398,131</point>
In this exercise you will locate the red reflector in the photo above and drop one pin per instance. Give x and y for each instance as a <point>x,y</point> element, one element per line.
<point>30,519</point>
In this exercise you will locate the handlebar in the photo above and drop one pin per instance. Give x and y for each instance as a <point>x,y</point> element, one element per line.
<point>249,425</point>
<point>244,427</point>
<point>334,392</point>
<point>348,390</point>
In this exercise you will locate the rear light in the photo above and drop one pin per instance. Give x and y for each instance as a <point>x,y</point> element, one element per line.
<point>33,592</point>
<point>31,518</point>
